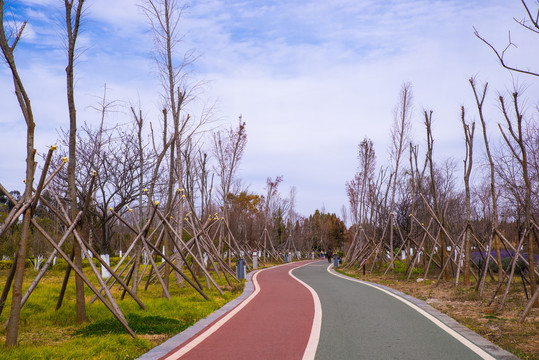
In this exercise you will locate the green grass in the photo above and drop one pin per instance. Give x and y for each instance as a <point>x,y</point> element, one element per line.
<point>139,324</point>
<point>48,334</point>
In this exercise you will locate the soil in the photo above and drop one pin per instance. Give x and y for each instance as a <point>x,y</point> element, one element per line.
<point>464,304</point>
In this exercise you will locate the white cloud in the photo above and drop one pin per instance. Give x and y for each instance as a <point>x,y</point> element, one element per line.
<point>311,79</point>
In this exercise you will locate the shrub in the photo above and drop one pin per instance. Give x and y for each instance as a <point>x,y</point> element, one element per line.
<point>6,264</point>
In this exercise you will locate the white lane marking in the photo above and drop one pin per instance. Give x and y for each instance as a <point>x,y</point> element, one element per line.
<point>203,336</point>
<point>476,349</point>
<point>312,344</point>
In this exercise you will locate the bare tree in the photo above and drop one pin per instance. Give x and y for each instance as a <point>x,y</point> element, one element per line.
<point>139,122</point>
<point>353,191</point>
<point>468,137</point>
<point>479,100</point>
<point>434,191</point>
<point>9,37</point>
<point>269,204</point>
<point>532,140</point>
<point>112,153</point>
<point>515,140</point>
<point>205,184</point>
<point>271,194</point>
<point>291,219</point>
<point>73,13</point>
<point>400,138</point>
<point>367,163</point>
<point>190,168</point>
<point>358,191</point>
<point>118,168</point>
<point>228,148</point>
<point>164,17</point>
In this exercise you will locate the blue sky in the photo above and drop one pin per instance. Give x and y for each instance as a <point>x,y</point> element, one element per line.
<point>310,78</point>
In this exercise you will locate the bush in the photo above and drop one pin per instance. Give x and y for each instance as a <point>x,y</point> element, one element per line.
<point>6,264</point>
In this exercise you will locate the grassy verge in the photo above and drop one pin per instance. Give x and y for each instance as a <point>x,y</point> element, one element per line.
<point>48,334</point>
<point>463,304</point>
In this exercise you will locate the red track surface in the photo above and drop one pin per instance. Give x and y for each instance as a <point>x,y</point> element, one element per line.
<point>275,324</point>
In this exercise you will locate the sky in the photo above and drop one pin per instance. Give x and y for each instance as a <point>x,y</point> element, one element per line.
<point>311,79</point>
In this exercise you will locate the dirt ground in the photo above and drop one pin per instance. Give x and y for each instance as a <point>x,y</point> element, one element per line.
<point>463,304</point>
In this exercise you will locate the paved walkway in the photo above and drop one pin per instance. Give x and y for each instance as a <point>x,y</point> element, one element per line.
<point>305,310</point>
<point>362,321</point>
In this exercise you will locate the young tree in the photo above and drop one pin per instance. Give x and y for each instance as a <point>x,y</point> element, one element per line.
<point>358,190</point>
<point>141,146</point>
<point>367,163</point>
<point>353,191</point>
<point>164,17</point>
<point>515,140</point>
<point>113,154</point>
<point>400,138</point>
<point>205,184</point>
<point>271,194</point>
<point>434,192</point>
<point>228,148</point>
<point>73,13</point>
<point>10,34</point>
<point>479,100</point>
<point>468,136</point>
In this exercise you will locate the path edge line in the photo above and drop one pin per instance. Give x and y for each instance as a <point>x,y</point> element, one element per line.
<point>197,329</point>
<point>206,333</point>
<point>186,335</point>
<point>314,337</point>
<point>443,321</point>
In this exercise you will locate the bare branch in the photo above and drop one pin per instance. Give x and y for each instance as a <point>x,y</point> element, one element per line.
<point>534,21</point>
<point>500,55</point>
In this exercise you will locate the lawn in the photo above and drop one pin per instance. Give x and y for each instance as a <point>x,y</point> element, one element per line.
<point>48,334</point>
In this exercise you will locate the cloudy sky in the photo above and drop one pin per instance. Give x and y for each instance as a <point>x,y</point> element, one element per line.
<point>310,78</point>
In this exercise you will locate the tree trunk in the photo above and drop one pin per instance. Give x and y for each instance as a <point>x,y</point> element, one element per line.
<point>468,136</point>
<point>72,32</point>
<point>518,137</point>
<point>14,316</point>
<point>479,99</point>
<point>24,103</point>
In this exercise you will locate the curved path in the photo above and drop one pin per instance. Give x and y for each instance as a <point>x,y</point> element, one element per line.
<point>306,310</point>
<point>280,331</point>
<point>367,321</point>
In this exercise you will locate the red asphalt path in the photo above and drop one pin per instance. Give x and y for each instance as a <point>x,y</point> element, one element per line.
<point>275,322</point>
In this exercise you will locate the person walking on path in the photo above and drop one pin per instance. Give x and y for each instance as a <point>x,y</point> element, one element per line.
<point>329,255</point>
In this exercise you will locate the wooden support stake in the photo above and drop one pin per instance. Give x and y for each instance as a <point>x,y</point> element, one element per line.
<point>79,272</point>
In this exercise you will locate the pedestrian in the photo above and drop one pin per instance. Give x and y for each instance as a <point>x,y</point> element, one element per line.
<point>329,255</point>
